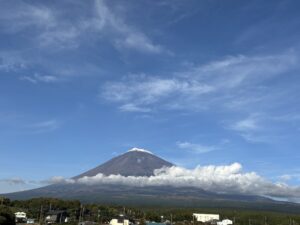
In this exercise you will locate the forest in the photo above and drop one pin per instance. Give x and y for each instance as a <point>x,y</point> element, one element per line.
<point>37,208</point>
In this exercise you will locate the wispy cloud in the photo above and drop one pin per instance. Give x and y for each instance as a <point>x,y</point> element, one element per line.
<point>50,29</point>
<point>24,15</point>
<point>196,148</point>
<point>256,128</point>
<point>17,122</point>
<point>288,177</point>
<point>43,30</point>
<point>289,117</point>
<point>36,78</point>
<point>144,91</point>
<point>124,35</point>
<point>235,84</point>
<point>133,108</point>
<point>56,180</point>
<point>201,87</point>
<point>44,126</point>
<point>11,62</point>
<point>248,124</point>
<point>58,31</point>
<point>13,181</point>
<point>259,128</point>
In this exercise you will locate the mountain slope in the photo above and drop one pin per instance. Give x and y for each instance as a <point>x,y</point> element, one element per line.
<point>135,162</point>
<point>158,196</point>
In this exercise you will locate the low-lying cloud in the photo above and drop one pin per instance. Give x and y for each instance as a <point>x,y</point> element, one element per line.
<point>228,179</point>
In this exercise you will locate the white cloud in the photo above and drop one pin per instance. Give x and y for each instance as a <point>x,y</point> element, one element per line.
<point>236,71</point>
<point>250,129</point>
<point>287,117</point>
<point>13,181</point>
<point>44,126</point>
<point>288,177</point>
<point>145,91</point>
<point>57,180</point>
<point>133,108</point>
<point>196,148</point>
<point>222,84</point>
<point>125,35</point>
<point>138,41</point>
<point>247,124</point>
<point>229,179</point>
<point>56,30</point>
<point>285,177</point>
<point>17,17</point>
<point>11,62</point>
<point>259,128</point>
<point>36,78</point>
<point>51,28</point>
<point>238,85</point>
<point>16,122</point>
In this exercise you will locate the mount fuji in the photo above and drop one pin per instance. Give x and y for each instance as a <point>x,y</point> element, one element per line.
<point>135,162</point>
<point>142,163</point>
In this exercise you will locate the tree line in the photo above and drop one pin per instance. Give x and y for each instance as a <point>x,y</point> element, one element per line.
<point>37,208</point>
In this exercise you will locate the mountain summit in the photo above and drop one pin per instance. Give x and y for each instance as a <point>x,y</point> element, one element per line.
<point>135,162</point>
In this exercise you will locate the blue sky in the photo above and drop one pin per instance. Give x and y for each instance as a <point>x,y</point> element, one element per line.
<point>195,82</point>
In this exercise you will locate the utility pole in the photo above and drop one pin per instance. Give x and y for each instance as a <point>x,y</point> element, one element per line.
<point>41,216</point>
<point>80,213</point>
<point>99,216</point>
<point>265,220</point>
<point>249,222</point>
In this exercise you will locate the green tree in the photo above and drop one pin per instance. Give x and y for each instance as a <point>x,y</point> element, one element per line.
<point>4,201</point>
<point>6,216</point>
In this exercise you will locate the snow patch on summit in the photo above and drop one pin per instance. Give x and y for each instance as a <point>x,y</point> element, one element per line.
<point>139,150</point>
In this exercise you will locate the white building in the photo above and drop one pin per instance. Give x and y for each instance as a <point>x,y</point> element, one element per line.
<point>119,221</point>
<point>225,222</point>
<point>30,221</point>
<point>20,217</point>
<point>206,217</point>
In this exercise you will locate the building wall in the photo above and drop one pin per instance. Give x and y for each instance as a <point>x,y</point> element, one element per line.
<point>206,217</point>
<point>20,215</point>
<point>115,222</point>
<point>225,222</point>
